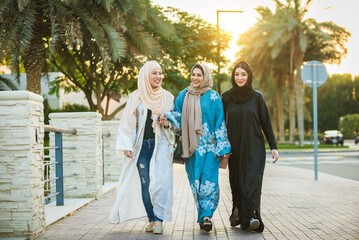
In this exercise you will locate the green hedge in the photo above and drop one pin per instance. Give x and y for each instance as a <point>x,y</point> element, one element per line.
<point>348,124</point>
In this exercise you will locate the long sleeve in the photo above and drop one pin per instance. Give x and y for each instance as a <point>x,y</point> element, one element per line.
<point>170,132</point>
<point>223,146</point>
<point>266,123</point>
<point>175,116</point>
<point>125,136</point>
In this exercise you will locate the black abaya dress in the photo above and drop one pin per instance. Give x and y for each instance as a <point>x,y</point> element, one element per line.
<point>245,122</point>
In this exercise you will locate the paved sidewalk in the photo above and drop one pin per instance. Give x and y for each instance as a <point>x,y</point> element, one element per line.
<point>294,206</point>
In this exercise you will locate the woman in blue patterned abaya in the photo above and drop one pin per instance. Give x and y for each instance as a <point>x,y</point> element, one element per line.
<point>199,115</point>
<point>146,149</point>
<point>247,116</point>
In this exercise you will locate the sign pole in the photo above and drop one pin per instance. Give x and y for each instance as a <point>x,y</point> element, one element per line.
<point>314,74</point>
<point>315,122</point>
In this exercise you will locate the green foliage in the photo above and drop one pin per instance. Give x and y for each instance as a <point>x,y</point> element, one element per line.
<point>66,108</point>
<point>5,82</point>
<point>177,44</point>
<point>194,41</point>
<point>348,124</point>
<point>112,27</point>
<point>279,43</point>
<point>336,98</point>
<point>101,79</point>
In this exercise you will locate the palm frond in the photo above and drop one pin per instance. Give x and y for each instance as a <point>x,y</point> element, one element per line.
<point>22,4</point>
<point>8,82</point>
<point>160,25</point>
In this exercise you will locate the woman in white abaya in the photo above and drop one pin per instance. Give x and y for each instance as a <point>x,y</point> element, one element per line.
<point>148,147</point>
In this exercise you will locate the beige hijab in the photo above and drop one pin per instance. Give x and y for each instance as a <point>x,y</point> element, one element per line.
<point>192,112</point>
<point>158,100</point>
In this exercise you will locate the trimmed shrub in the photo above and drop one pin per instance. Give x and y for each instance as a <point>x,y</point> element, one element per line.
<point>348,124</point>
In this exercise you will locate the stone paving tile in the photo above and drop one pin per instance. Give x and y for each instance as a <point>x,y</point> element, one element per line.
<point>294,206</point>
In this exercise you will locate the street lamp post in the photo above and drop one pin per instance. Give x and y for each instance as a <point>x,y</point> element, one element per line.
<point>219,45</point>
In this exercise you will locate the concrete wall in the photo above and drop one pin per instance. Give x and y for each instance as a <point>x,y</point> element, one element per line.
<point>21,164</point>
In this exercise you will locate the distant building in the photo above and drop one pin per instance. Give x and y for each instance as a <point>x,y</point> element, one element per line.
<point>68,98</point>
<point>54,102</point>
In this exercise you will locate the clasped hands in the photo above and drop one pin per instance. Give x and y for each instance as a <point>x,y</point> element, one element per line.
<point>163,120</point>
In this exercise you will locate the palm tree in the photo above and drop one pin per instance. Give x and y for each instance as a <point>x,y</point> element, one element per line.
<point>286,35</point>
<point>27,26</point>
<point>86,70</point>
<point>257,49</point>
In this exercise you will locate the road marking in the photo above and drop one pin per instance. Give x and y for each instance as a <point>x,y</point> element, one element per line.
<point>296,162</point>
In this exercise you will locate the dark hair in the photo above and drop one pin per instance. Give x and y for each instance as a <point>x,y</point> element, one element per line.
<point>198,66</point>
<point>245,66</point>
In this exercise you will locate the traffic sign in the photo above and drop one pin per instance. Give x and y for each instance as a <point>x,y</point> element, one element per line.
<point>314,72</point>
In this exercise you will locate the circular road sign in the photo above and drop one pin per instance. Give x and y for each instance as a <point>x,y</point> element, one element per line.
<point>314,72</point>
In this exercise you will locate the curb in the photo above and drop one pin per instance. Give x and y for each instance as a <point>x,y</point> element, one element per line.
<point>319,151</point>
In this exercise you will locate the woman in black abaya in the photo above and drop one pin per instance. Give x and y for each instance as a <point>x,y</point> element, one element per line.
<point>247,115</point>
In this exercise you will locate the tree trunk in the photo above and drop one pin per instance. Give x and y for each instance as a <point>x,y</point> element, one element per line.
<point>299,95</point>
<point>280,110</point>
<point>113,114</point>
<point>291,88</point>
<point>35,55</point>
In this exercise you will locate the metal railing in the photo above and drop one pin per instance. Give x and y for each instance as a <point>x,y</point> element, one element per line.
<point>59,172</point>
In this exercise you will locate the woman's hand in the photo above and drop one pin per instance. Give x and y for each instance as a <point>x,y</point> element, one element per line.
<point>164,121</point>
<point>275,155</point>
<point>128,153</point>
<point>225,156</point>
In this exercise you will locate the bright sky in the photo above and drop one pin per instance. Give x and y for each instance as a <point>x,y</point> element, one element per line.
<point>343,13</point>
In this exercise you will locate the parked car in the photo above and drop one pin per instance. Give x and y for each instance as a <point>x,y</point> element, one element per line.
<point>333,137</point>
<point>356,136</point>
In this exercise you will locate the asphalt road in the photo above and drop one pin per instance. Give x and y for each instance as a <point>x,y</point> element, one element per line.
<point>341,164</point>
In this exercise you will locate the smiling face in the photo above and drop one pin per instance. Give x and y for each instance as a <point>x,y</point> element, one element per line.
<point>156,77</point>
<point>240,77</point>
<point>197,77</point>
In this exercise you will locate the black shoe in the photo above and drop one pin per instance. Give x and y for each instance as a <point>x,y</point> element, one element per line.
<point>253,225</point>
<point>234,221</point>
<point>206,225</point>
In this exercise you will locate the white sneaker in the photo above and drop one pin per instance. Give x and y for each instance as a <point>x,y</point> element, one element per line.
<point>150,227</point>
<point>158,230</point>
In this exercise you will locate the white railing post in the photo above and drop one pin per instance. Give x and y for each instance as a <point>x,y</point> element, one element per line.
<point>21,164</point>
<point>85,148</point>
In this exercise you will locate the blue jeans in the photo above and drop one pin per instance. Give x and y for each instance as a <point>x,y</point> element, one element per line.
<point>143,167</point>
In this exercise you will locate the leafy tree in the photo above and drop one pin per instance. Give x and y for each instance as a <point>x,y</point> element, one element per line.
<point>336,98</point>
<point>194,41</point>
<point>177,49</point>
<point>87,70</point>
<point>28,26</point>
<point>348,124</point>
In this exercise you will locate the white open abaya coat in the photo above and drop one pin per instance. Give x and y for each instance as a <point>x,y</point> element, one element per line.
<point>128,203</point>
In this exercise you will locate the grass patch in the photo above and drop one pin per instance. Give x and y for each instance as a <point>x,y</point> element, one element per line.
<point>307,146</point>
